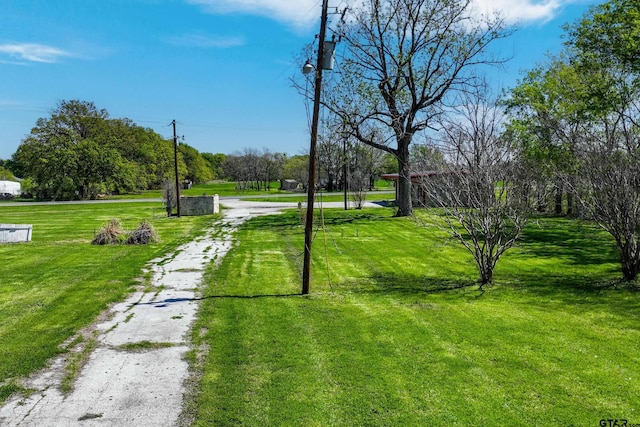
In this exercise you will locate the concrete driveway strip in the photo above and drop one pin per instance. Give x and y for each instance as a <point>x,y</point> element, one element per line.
<point>135,376</point>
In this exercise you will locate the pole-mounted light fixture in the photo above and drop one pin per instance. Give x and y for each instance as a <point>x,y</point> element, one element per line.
<point>308,68</point>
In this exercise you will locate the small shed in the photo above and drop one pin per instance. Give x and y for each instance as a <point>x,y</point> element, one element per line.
<point>10,188</point>
<point>418,196</point>
<point>290,185</point>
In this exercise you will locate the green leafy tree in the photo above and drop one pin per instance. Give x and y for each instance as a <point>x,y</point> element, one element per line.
<point>155,156</point>
<point>609,35</point>
<point>388,164</point>
<point>63,153</point>
<point>198,170</point>
<point>27,186</point>
<point>143,148</point>
<point>215,162</point>
<point>297,167</point>
<point>6,175</point>
<point>79,152</point>
<point>548,112</point>
<point>578,118</point>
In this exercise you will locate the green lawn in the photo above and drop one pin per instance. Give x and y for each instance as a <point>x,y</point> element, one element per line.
<point>58,283</point>
<point>395,331</point>
<point>401,336</point>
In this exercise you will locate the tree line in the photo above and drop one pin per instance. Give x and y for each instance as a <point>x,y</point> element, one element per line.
<point>80,152</point>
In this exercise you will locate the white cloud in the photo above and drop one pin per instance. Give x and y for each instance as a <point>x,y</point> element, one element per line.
<point>205,41</point>
<point>303,13</point>
<point>33,52</point>
<point>9,103</point>
<point>521,11</point>
<point>298,13</point>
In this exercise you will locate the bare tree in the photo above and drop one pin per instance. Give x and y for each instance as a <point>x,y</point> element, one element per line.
<point>401,60</point>
<point>252,166</point>
<point>330,153</point>
<point>614,202</point>
<point>610,173</point>
<point>358,183</point>
<point>604,45</point>
<point>253,169</point>
<point>479,190</point>
<point>273,167</point>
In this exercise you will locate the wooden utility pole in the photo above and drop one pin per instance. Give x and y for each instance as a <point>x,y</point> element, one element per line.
<point>175,161</point>
<point>344,172</point>
<point>308,229</point>
<point>345,137</point>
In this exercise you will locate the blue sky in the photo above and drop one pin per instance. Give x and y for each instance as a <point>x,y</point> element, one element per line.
<point>220,68</point>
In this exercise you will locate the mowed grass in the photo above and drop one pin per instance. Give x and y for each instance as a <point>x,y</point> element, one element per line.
<point>322,197</point>
<point>221,188</point>
<point>57,284</point>
<point>396,332</point>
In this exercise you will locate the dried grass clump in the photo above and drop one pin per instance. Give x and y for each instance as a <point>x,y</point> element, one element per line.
<point>110,234</point>
<point>144,234</point>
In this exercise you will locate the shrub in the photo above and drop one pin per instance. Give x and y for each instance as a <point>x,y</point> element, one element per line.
<point>144,234</point>
<point>109,234</point>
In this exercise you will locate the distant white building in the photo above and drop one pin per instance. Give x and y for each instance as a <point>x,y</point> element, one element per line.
<point>10,188</point>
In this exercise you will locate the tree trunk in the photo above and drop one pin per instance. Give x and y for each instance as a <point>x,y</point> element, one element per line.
<point>630,269</point>
<point>542,203</point>
<point>486,276</point>
<point>330,186</point>
<point>485,262</point>
<point>630,261</point>
<point>405,207</point>
<point>570,202</point>
<point>558,204</point>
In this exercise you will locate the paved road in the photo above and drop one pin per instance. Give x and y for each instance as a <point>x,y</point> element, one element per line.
<point>159,200</point>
